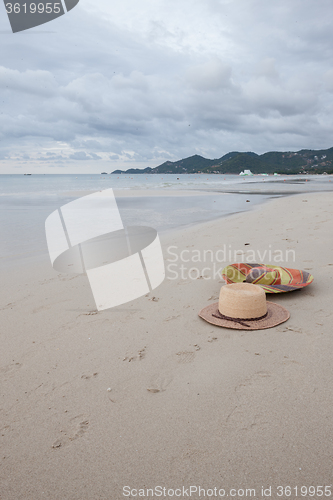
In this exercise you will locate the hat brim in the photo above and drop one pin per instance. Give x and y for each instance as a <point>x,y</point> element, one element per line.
<point>291,279</point>
<point>276,315</point>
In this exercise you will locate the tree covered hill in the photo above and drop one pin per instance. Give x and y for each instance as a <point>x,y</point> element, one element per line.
<point>303,161</point>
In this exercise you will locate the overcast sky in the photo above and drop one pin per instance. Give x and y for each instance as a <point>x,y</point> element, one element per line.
<point>133,83</point>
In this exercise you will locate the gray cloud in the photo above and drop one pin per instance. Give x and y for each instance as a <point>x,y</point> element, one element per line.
<point>40,83</point>
<point>211,75</point>
<point>124,84</point>
<point>81,155</point>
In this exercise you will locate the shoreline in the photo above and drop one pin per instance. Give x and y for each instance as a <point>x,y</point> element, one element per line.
<point>24,237</point>
<point>164,233</point>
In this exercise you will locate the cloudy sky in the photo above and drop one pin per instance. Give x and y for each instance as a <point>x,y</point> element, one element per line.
<point>134,83</point>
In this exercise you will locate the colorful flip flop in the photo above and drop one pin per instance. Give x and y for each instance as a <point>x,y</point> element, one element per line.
<point>273,279</point>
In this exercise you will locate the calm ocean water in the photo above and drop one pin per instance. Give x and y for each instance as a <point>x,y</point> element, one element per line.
<point>26,201</point>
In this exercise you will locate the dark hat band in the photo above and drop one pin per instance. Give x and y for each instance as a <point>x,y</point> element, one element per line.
<point>240,321</point>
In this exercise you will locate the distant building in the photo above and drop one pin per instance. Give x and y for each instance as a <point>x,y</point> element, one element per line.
<point>246,172</point>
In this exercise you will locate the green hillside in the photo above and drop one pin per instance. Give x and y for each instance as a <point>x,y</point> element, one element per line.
<point>304,161</point>
<point>190,165</point>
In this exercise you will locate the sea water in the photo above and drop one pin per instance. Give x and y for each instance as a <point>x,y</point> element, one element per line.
<point>27,200</point>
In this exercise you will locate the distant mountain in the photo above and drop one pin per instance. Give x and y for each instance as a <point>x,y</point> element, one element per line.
<point>300,162</point>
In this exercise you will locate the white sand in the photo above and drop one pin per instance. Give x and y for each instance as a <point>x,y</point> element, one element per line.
<point>149,394</point>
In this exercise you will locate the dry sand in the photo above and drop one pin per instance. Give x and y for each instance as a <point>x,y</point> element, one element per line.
<point>149,394</point>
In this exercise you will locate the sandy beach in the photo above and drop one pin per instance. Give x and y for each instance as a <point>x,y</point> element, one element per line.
<point>148,394</point>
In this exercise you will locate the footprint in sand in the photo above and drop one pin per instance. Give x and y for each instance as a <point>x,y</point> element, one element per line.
<point>87,377</point>
<point>57,444</point>
<point>79,426</point>
<point>170,318</point>
<point>41,308</point>
<point>10,368</point>
<point>185,356</point>
<point>8,306</point>
<point>141,354</point>
<point>251,381</point>
<point>159,382</point>
<point>247,413</point>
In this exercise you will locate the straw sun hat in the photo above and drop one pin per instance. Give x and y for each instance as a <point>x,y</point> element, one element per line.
<point>273,279</point>
<point>243,306</point>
